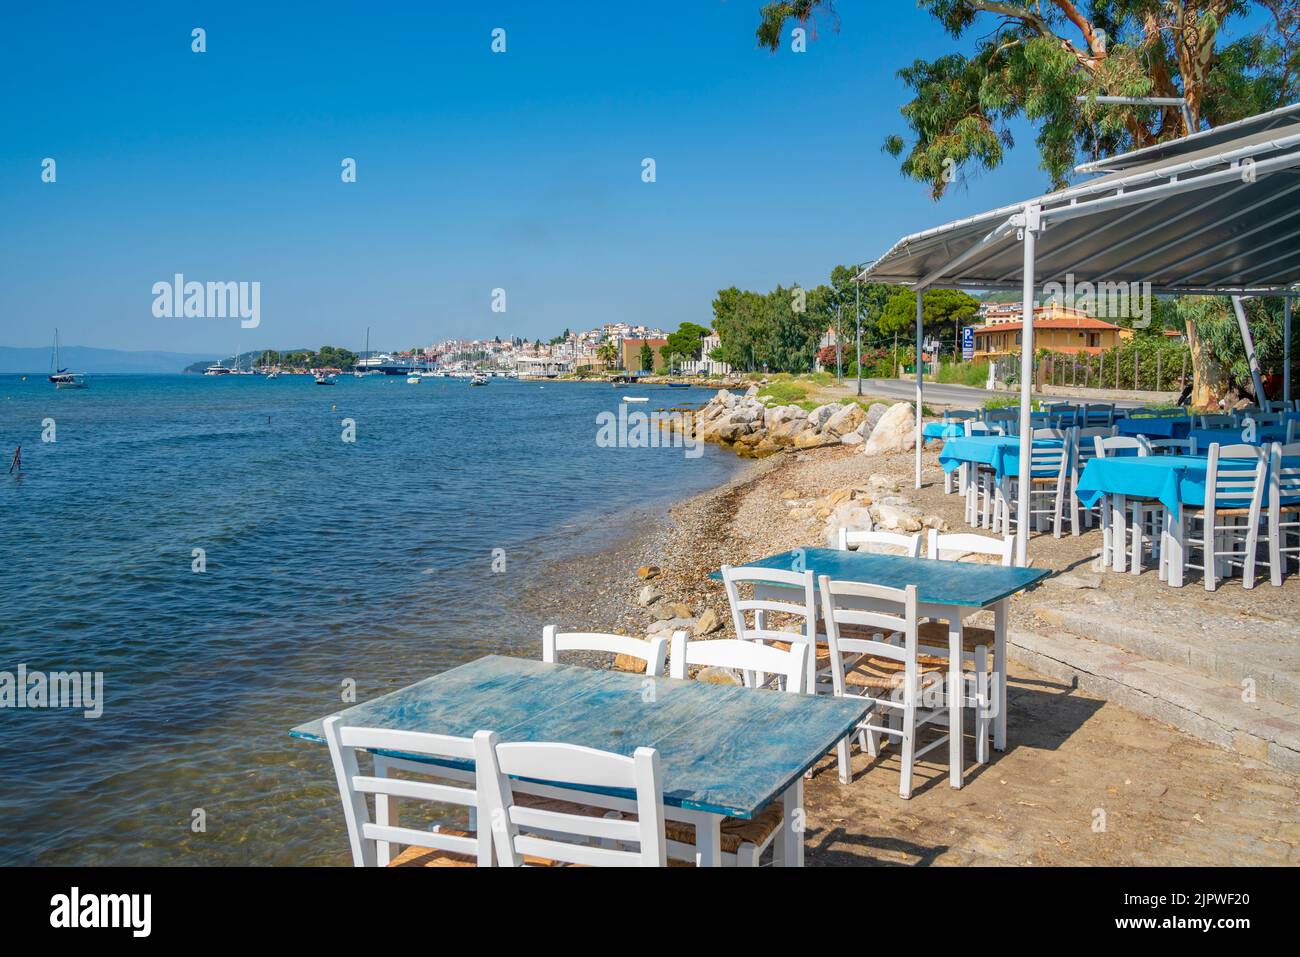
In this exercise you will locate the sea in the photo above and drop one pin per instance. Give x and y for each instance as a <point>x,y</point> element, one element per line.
<point>236,555</point>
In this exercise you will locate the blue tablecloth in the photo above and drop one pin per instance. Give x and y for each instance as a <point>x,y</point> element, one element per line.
<point>943,430</point>
<point>1263,433</point>
<point>1002,452</point>
<point>1156,427</point>
<point>1173,480</point>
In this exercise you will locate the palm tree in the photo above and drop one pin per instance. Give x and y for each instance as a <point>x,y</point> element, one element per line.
<point>607,352</point>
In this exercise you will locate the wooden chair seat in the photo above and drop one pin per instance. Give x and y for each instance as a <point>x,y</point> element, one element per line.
<point>935,634</point>
<point>735,831</point>
<point>415,856</point>
<point>886,674</point>
<point>1200,510</point>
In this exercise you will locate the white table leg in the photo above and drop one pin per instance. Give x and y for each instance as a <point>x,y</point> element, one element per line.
<point>792,830</point>
<point>1118,531</point>
<point>1000,674</point>
<point>708,840</point>
<point>956,695</point>
<point>1175,539</point>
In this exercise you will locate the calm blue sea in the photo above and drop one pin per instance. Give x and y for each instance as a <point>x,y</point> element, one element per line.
<point>326,562</point>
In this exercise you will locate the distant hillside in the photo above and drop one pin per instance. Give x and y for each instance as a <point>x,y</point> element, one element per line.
<point>86,359</point>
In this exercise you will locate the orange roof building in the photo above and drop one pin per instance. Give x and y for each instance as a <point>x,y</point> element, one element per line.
<point>1056,333</point>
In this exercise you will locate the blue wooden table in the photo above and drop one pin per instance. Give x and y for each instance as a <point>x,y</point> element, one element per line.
<point>724,751</point>
<point>945,591</point>
<point>943,430</point>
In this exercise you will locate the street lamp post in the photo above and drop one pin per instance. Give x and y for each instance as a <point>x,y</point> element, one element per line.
<point>857,309</point>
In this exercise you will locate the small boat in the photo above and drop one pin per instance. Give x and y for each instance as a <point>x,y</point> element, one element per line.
<point>69,380</point>
<point>413,379</point>
<point>636,398</point>
<point>324,379</point>
<point>478,378</point>
<point>679,385</point>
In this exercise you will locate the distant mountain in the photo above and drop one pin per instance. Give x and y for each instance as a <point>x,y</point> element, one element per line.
<point>86,359</point>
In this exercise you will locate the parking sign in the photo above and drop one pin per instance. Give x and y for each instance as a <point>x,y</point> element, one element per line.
<point>968,343</point>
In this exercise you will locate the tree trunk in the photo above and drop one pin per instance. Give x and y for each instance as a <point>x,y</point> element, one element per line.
<point>1210,381</point>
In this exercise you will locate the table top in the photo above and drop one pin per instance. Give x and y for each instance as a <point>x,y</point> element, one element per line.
<point>967,584</point>
<point>723,749</point>
<point>1173,480</point>
<point>1002,452</point>
<point>1162,427</point>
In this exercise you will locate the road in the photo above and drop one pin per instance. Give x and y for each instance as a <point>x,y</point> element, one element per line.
<point>956,395</point>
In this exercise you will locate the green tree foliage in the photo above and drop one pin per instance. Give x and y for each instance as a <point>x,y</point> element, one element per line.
<point>684,344</point>
<point>941,310</point>
<point>646,357</point>
<point>1214,324</point>
<point>1030,60</point>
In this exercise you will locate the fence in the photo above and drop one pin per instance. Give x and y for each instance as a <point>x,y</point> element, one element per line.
<point>1143,364</point>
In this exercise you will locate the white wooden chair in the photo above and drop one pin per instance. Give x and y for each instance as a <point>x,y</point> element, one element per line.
<point>652,653</point>
<point>1085,451</point>
<point>978,642</point>
<point>1048,479</point>
<point>1172,446</point>
<point>909,545</point>
<point>886,669</point>
<point>1283,510</point>
<point>1233,493</point>
<point>371,840</point>
<point>801,603</point>
<point>743,841</point>
<point>1147,521</point>
<point>977,481</point>
<point>554,832</point>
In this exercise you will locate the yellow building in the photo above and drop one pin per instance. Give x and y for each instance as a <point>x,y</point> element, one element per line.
<point>1054,331</point>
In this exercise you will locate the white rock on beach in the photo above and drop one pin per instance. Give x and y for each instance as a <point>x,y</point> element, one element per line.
<point>896,518</point>
<point>895,432</point>
<point>649,595</point>
<point>845,421</point>
<point>672,624</point>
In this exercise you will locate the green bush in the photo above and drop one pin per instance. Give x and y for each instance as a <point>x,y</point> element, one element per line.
<point>963,373</point>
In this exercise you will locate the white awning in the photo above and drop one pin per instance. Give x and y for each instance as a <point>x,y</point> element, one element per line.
<point>1209,214</point>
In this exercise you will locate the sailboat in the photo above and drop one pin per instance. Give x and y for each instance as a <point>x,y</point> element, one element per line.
<point>61,377</point>
<point>361,373</point>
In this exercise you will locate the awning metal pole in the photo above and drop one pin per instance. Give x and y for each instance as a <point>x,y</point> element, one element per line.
<point>1286,351</point>
<point>1031,223</point>
<point>920,295</point>
<point>1251,359</point>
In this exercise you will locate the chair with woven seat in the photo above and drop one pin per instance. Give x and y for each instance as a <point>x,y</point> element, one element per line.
<point>1049,478</point>
<point>885,669</point>
<point>556,834</point>
<point>651,653</point>
<point>776,591</point>
<point>1085,451</point>
<point>977,481</point>
<point>743,841</point>
<point>371,840</point>
<point>979,642</point>
<point>1234,490</point>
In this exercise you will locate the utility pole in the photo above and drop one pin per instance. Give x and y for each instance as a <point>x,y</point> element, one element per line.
<point>857,308</point>
<point>839,359</point>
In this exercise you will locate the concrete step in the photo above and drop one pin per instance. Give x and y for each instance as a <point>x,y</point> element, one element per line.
<point>1206,707</point>
<point>1234,649</point>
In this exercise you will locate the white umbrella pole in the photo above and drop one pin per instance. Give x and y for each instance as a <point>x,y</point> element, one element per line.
<point>920,294</point>
<point>1026,388</point>
<point>1286,351</point>
<point>1251,359</point>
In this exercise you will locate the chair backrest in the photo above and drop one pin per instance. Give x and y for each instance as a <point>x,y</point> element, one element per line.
<point>652,652</point>
<point>853,539</point>
<point>960,415</point>
<point>1218,421</point>
<point>1265,418</point>
<point>1283,479</point>
<point>1009,419</point>
<point>950,547</point>
<point>1043,461</point>
<point>365,833</point>
<point>565,836</point>
<point>1290,431</point>
<point>1100,413</point>
<point>892,611</point>
<point>800,603</point>
<point>747,657</point>
<point>1230,484</point>
<point>1172,446</point>
<point>983,428</point>
<point>1103,445</point>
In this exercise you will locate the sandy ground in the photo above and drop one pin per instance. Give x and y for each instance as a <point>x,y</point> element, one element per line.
<point>1081,782</point>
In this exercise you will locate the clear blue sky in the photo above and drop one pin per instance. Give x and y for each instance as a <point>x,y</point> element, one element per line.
<point>475,170</point>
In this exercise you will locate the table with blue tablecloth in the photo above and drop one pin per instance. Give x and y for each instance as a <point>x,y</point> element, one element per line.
<point>1001,452</point>
<point>943,430</point>
<point>1156,427</point>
